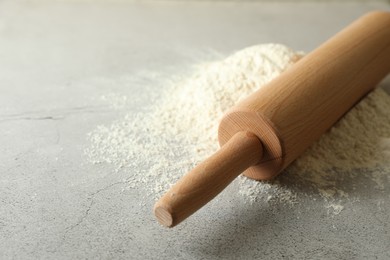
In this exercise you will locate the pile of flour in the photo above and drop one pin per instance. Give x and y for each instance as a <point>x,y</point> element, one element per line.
<point>180,130</point>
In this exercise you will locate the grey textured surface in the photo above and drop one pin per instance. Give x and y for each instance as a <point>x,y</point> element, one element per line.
<point>55,205</point>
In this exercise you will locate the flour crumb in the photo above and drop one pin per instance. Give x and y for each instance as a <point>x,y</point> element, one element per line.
<point>335,208</point>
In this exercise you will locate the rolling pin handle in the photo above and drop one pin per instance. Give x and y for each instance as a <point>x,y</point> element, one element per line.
<point>209,178</point>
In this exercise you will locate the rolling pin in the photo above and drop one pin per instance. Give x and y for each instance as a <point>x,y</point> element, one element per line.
<point>265,132</point>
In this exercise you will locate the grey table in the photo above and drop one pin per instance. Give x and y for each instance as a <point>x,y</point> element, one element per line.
<point>55,205</point>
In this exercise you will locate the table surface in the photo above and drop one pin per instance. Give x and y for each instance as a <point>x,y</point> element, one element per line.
<point>56,205</point>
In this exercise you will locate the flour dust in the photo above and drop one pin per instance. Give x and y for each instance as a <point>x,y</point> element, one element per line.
<point>179,130</point>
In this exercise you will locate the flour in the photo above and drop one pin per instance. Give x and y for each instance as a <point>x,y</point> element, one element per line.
<point>180,130</point>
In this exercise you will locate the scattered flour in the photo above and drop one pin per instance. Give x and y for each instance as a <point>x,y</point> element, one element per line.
<point>180,130</point>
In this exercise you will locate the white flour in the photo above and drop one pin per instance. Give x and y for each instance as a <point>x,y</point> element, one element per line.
<point>181,130</point>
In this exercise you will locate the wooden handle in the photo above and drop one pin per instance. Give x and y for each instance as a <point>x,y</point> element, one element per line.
<point>208,179</point>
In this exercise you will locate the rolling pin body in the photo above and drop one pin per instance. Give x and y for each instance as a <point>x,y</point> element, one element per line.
<point>307,99</point>
<point>282,119</point>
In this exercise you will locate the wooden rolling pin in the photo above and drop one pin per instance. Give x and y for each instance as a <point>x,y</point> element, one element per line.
<point>264,133</point>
